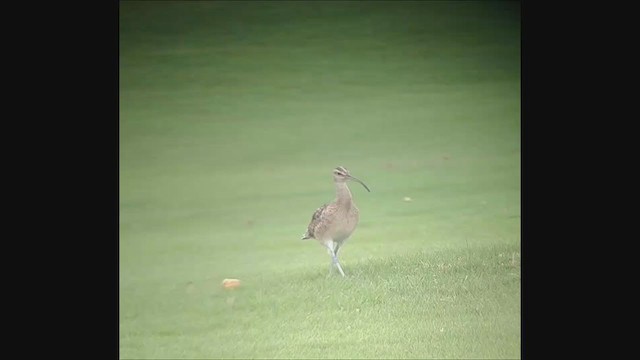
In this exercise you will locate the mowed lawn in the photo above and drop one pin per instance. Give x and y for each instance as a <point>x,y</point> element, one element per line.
<point>232,116</point>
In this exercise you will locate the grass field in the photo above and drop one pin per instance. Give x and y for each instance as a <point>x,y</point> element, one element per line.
<point>232,116</point>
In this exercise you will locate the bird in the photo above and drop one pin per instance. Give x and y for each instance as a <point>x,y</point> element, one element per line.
<point>333,223</point>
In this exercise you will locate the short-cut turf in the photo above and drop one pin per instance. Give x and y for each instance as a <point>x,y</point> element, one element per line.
<point>232,116</point>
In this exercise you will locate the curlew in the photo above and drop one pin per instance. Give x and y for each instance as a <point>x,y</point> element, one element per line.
<point>333,223</point>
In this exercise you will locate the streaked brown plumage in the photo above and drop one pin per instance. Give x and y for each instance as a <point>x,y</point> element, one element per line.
<point>333,223</point>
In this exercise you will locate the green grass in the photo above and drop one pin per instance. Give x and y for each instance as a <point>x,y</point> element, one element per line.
<point>232,116</point>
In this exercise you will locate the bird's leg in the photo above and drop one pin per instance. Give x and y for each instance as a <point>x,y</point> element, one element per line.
<point>332,247</point>
<point>336,247</point>
<point>334,258</point>
<point>337,264</point>
<point>332,264</point>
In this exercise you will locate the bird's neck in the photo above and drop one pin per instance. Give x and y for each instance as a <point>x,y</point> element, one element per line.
<point>342,192</point>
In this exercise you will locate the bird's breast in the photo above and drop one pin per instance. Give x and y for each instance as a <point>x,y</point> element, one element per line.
<point>349,220</point>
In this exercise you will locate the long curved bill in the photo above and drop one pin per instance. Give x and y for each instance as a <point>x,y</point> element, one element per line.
<point>358,180</point>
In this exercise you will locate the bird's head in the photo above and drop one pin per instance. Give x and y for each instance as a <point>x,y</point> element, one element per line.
<point>341,175</point>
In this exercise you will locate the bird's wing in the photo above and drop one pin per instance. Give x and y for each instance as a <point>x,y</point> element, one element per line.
<point>316,219</point>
